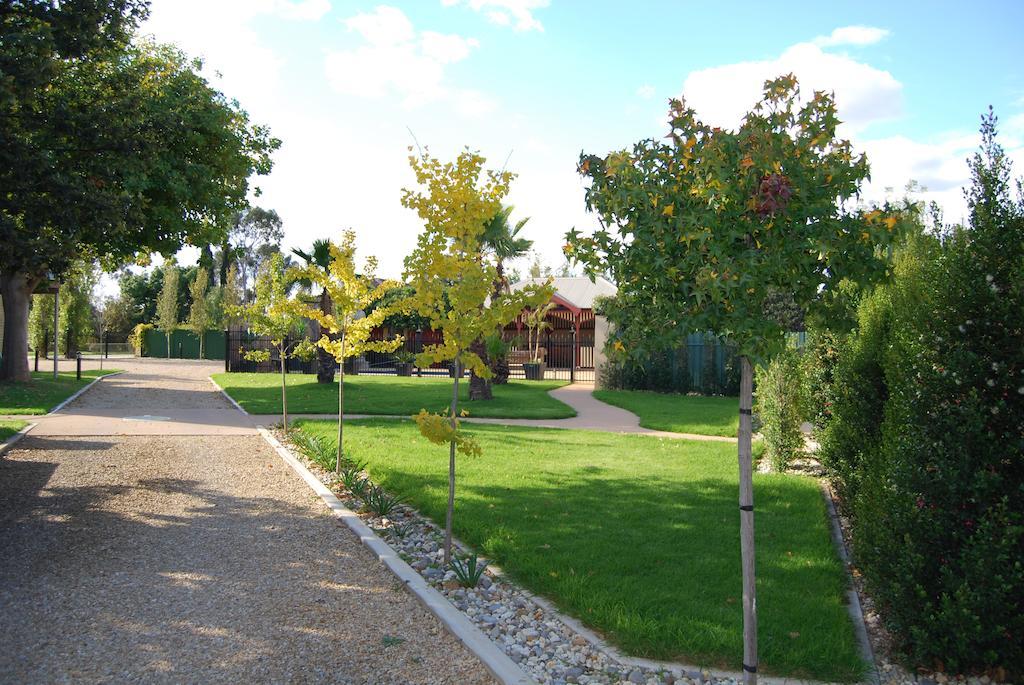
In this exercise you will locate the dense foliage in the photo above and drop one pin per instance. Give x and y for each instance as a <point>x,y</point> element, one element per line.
<point>110,149</point>
<point>779,405</point>
<point>925,437</point>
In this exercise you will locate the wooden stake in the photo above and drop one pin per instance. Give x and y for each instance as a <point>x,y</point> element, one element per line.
<point>451,468</point>
<point>747,525</point>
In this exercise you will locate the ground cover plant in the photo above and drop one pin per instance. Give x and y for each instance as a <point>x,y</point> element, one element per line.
<point>259,393</point>
<point>44,393</point>
<point>9,428</point>
<point>635,535</point>
<point>701,415</point>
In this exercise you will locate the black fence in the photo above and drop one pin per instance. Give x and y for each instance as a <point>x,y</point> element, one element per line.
<point>564,356</point>
<point>238,342</point>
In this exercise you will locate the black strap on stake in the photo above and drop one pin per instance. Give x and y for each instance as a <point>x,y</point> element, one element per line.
<point>746,412</point>
<point>750,669</point>
<point>746,507</point>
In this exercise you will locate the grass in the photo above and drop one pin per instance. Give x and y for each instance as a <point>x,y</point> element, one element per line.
<point>9,428</point>
<point>637,536</point>
<point>260,393</point>
<point>43,393</point>
<point>678,413</point>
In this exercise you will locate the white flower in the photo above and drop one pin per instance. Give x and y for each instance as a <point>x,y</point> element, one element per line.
<point>989,278</point>
<point>990,383</point>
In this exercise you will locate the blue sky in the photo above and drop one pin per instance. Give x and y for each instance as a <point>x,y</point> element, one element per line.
<point>536,82</point>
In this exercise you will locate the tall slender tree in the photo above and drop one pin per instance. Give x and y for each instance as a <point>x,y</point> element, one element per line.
<point>199,311</point>
<point>452,282</point>
<point>167,304</point>
<point>272,313</point>
<point>355,312</point>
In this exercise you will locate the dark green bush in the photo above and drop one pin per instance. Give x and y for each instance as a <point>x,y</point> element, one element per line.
<point>926,437</point>
<point>780,404</point>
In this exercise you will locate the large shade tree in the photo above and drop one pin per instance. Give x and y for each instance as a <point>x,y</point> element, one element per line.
<point>701,228</point>
<point>109,150</point>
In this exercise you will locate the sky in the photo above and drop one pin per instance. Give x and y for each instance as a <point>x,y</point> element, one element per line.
<point>348,86</point>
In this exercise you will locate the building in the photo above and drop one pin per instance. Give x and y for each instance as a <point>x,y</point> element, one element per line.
<point>569,340</point>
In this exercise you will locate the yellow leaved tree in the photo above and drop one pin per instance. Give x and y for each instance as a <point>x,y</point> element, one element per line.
<point>354,316</point>
<point>271,314</point>
<point>452,276</point>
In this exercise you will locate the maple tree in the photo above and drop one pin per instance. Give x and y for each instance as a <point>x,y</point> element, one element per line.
<point>700,229</point>
<point>353,316</point>
<point>452,277</point>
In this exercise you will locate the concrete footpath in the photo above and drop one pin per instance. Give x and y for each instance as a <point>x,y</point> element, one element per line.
<point>591,414</point>
<point>151,397</point>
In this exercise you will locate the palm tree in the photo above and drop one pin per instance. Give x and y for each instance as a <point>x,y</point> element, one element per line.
<point>320,256</point>
<point>501,240</point>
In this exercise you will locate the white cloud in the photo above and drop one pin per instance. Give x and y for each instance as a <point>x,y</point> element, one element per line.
<point>397,59</point>
<point>852,35</point>
<point>864,94</point>
<point>502,12</point>
<point>645,91</point>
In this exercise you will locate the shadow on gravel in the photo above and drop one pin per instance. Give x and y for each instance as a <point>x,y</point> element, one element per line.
<point>172,580</point>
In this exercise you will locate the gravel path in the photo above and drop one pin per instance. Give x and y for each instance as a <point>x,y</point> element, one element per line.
<point>195,559</point>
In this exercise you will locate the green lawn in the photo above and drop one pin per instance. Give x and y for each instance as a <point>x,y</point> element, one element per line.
<point>260,393</point>
<point>43,393</point>
<point>678,413</point>
<point>9,428</point>
<point>637,536</point>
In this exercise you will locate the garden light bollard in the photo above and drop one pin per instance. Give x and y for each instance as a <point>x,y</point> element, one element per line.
<point>78,365</point>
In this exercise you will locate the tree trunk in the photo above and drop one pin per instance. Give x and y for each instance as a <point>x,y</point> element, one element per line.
<point>747,525</point>
<point>168,335</point>
<point>451,468</point>
<point>341,416</point>
<point>16,290</point>
<point>284,392</point>
<point>479,388</point>
<point>202,334</point>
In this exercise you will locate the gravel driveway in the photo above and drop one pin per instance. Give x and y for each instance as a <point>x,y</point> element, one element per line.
<point>198,559</point>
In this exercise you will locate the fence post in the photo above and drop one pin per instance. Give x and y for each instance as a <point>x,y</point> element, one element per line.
<point>78,365</point>
<point>227,351</point>
<point>572,365</point>
<point>417,347</point>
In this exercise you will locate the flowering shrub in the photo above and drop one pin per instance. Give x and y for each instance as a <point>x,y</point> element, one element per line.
<point>926,439</point>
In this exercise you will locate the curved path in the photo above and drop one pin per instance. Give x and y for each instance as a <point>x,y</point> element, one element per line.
<point>181,553</point>
<point>591,414</point>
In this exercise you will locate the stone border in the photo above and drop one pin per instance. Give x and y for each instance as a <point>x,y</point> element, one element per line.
<point>499,664</point>
<point>14,439</point>
<point>74,397</point>
<point>231,399</point>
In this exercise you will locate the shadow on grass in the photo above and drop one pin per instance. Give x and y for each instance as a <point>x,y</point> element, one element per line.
<point>639,538</point>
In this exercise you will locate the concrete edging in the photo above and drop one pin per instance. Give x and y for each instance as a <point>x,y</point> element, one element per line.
<point>493,659</point>
<point>853,598</point>
<point>230,399</point>
<point>80,392</point>
<point>14,439</point>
